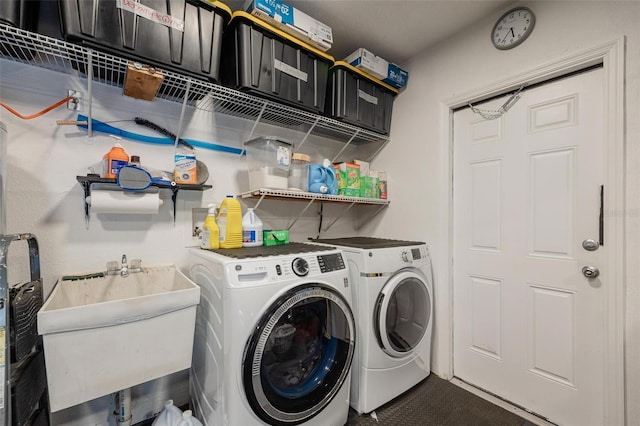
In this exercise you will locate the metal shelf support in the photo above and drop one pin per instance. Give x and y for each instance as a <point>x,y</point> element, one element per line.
<point>339,216</point>
<point>372,216</point>
<point>301,213</point>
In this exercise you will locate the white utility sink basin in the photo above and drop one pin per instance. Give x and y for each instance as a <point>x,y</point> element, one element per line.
<point>109,333</point>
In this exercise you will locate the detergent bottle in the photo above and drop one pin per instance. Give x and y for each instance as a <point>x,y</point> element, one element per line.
<point>230,223</point>
<point>113,160</point>
<point>210,230</point>
<point>169,416</point>
<point>251,229</point>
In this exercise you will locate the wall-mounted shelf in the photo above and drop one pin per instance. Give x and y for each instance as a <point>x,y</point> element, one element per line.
<point>50,53</point>
<point>311,197</point>
<point>87,181</point>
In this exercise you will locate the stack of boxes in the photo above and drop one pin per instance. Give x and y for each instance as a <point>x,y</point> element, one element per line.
<point>355,179</point>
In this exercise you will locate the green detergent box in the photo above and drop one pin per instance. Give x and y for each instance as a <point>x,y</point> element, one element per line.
<point>275,237</point>
<point>369,187</point>
<point>348,177</point>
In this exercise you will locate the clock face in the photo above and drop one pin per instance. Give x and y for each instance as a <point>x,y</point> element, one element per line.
<point>513,28</point>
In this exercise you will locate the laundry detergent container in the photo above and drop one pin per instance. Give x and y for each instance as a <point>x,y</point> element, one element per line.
<point>267,62</point>
<point>269,160</point>
<point>184,36</point>
<point>357,98</point>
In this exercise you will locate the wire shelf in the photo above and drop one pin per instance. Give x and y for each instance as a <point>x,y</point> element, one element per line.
<point>309,196</point>
<point>57,55</point>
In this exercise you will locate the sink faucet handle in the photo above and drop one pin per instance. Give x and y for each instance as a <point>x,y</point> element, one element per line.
<point>125,268</point>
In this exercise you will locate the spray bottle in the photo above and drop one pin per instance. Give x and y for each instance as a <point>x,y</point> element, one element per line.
<point>210,230</point>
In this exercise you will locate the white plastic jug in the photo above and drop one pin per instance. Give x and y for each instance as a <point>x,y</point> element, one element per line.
<point>251,229</point>
<point>188,419</point>
<point>169,416</point>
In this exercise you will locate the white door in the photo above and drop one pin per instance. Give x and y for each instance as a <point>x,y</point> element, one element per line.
<point>528,324</point>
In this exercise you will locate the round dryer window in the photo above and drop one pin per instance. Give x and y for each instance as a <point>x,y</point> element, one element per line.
<point>299,355</point>
<point>402,313</point>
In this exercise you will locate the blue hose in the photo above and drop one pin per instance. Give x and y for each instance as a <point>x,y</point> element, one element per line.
<point>99,126</point>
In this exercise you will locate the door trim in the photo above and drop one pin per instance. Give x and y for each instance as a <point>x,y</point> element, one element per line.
<point>611,55</point>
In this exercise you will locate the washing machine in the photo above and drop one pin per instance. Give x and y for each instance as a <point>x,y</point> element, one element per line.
<point>393,303</point>
<point>275,336</point>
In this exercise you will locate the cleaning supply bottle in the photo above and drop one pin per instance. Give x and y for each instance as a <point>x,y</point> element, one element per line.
<point>188,419</point>
<point>169,416</point>
<point>210,230</point>
<point>230,223</point>
<point>251,229</point>
<point>113,160</point>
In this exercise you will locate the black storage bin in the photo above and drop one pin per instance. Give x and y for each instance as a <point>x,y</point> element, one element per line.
<point>357,98</point>
<point>187,41</point>
<point>267,62</point>
<point>21,14</point>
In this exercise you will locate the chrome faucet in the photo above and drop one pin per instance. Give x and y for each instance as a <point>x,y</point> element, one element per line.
<point>124,270</point>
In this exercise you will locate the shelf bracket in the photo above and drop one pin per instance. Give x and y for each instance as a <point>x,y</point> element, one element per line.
<point>345,146</point>
<point>313,126</point>
<point>339,216</point>
<point>375,154</point>
<point>86,185</point>
<point>89,95</point>
<point>174,196</point>
<point>260,201</point>
<point>255,123</point>
<point>301,213</point>
<point>184,107</point>
<point>373,215</point>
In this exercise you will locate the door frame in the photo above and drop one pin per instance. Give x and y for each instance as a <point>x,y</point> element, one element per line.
<point>611,56</point>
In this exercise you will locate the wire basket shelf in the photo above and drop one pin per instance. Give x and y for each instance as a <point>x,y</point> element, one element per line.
<point>61,56</point>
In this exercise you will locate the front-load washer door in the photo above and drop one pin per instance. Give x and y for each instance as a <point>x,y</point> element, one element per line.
<point>402,313</point>
<point>299,354</point>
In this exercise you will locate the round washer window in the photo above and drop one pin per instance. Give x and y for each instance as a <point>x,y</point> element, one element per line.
<point>300,355</point>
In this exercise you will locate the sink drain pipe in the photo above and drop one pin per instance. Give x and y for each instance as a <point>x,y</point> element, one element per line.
<point>123,407</point>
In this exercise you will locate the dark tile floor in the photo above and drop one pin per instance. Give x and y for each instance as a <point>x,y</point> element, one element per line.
<point>437,402</point>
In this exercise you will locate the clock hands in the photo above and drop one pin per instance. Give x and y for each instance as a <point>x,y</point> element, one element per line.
<point>507,34</point>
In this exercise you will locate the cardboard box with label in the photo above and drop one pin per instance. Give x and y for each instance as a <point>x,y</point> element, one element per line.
<point>378,67</point>
<point>293,22</point>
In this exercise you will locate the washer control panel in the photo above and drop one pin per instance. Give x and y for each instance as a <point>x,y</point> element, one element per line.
<point>300,267</point>
<point>331,262</point>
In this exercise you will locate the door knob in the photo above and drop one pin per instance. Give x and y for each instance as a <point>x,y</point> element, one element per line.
<point>590,271</point>
<point>590,245</point>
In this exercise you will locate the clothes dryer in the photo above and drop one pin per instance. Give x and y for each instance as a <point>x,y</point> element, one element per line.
<point>393,304</point>
<point>275,336</point>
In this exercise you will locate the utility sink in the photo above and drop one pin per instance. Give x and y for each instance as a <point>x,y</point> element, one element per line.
<point>108,333</point>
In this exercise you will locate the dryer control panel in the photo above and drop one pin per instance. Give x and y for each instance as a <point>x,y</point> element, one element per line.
<point>414,254</point>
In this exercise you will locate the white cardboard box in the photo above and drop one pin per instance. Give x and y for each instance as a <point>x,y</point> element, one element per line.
<point>293,22</point>
<point>378,67</point>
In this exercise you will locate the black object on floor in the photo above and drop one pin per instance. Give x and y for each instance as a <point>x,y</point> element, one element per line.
<point>435,401</point>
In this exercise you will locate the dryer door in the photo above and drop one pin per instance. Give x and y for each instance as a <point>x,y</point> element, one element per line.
<point>402,313</point>
<point>299,355</point>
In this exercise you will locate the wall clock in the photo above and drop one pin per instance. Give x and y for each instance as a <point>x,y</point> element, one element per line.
<point>513,28</point>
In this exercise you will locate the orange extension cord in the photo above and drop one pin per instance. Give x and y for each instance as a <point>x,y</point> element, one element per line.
<point>37,114</point>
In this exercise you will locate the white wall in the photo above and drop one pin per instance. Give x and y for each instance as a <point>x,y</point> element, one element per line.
<point>469,62</point>
<point>44,198</point>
